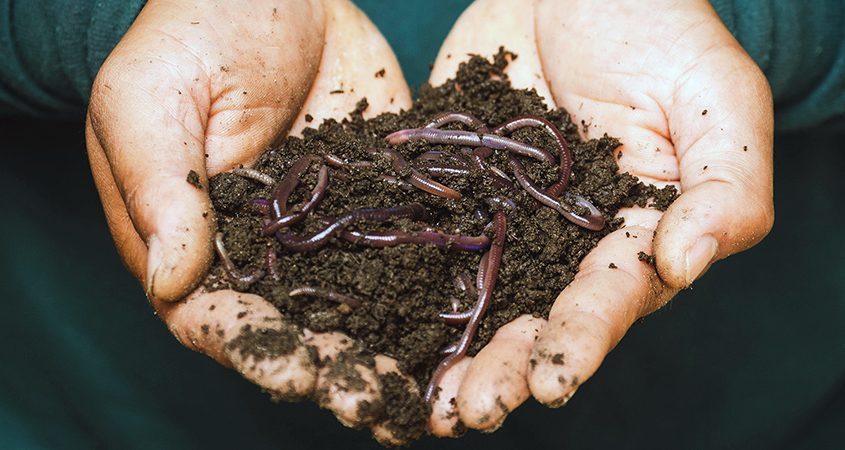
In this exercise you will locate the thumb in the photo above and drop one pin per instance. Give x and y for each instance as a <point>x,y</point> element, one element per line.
<point>152,125</point>
<point>722,126</point>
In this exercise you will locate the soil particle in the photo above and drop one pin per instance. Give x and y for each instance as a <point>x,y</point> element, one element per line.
<point>557,359</point>
<point>264,343</point>
<point>646,258</point>
<point>403,288</point>
<point>380,73</point>
<point>193,179</point>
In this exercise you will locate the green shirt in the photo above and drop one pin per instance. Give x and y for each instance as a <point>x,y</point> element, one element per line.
<point>50,51</point>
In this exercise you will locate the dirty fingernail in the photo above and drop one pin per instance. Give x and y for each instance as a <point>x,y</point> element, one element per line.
<point>562,400</point>
<point>153,262</point>
<point>699,256</point>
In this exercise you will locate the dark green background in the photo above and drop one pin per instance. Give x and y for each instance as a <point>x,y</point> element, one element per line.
<point>752,357</point>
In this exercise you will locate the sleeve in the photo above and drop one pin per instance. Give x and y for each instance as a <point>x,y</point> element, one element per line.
<point>51,50</point>
<point>801,48</point>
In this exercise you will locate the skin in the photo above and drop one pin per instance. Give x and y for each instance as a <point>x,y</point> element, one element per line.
<point>207,86</point>
<point>644,72</point>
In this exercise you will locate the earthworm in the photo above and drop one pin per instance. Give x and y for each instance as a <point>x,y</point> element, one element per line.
<point>271,263</point>
<point>416,178</point>
<point>461,317</point>
<point>594,221</point>
<point>234,276</point>
<point>325,294</point>
<point>449,349</point>
<point>563,147</point>
<point>304,208</point>
<point>484,298</point>
<point>503,203</point>
<point>262,205</point>
<point>255,175</point>
<point>452,116</point>
<point>471,139</point>
<point>464,283</point>
<point>397,181</point>
<point>339,163</point>
<point>456,318</point>
<point>435,238</point>
<point>446,169</point>
<point>284,188</point>
<point>319,240</point>
<point>478,157</point>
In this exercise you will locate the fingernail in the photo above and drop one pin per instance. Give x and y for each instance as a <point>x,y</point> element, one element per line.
<point>153,262</point>
<point>699,256</point>
<point>562,401</point>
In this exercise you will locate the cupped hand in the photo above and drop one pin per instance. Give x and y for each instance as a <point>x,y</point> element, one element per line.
<point>195,88</point>
<point>691,110</point>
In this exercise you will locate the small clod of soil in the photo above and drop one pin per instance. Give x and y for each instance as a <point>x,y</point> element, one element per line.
<point>403,288</point>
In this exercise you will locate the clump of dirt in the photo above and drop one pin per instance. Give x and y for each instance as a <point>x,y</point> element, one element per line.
<point>403,288</point>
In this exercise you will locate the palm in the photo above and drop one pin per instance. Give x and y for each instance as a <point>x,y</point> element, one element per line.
<point>206,87</point>
<point>662,77</point>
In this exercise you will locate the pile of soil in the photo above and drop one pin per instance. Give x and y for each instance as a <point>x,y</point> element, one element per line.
<point>403,288</point>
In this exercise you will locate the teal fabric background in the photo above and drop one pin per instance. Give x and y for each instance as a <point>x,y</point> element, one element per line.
<point>752,357</point>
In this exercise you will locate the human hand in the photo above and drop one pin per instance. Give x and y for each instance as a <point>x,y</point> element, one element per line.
<point>203,87</point>
<point>691,110</point>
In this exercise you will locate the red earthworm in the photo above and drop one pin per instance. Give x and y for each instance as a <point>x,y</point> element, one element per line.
<point>478,158</point>
<point>484,298</point>
<point>255,175</point>
<point>435,238</point>
<point>464,283</point>
<point>339,163</point>
<point>304,208</point>
<point>397,182</point>
<point>262,205</point>
<point>416,178</point>
<point>452,116</point>
<point>284,188</point>
<point>325,294</point>
<point>593,221</point>
<point>241,282</point>
<point>319,240</point>
<point>471,139</point>
<point>271,263</point>
<point>563,147</point>
<point>446,169</point>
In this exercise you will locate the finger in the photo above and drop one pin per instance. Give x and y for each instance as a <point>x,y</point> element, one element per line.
<point>126,239</point>
<point>445,420</point>
<point>726,162</point>
<point>153,114</point>
<point>247,333</point>
<point>496,381</point>
<point>485,26</point>
<point>368,69</point>
<point>347,384</point>
<point>612,289</point>
<point>405,413</point>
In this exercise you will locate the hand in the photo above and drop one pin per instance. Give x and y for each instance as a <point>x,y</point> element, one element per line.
<point>691,109</point>
<point>203,87</point>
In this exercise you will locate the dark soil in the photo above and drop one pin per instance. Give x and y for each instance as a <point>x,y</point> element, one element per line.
<point>404,288</point>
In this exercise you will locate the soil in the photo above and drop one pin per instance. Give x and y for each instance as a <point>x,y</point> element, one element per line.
<point>403,288</point>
